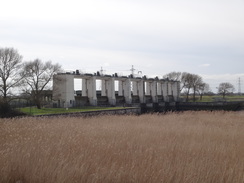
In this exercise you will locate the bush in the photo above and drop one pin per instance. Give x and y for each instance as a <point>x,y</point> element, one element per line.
<point>6,111</point>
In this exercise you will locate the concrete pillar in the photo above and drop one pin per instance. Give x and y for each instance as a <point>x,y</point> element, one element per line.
<point>178,85</point>
<point>127,91</point>
<point>154,91</point>
<point>148,88</point>
<point>141,91</point>
<point>176,90</point>
<point>135,88</point>
<point>103,87</point>
<point>170,90</point>
<point>159,88</point>
<point>151,89</point>
<point>63,90</point>
<point>121,91</point>
<point>91,89</point>
<point>84,88</point>
<point>165,91</point>
<point>109,85</point>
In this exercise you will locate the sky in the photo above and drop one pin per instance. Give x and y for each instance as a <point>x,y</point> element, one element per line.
<point>156,36</point>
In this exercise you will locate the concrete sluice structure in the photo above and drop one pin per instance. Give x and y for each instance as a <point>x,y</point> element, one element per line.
<point>115,90</point>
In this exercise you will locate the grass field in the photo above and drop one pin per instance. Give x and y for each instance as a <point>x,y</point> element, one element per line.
<point>214,98</point>
<point>189,147</point>
<point>34,111</point>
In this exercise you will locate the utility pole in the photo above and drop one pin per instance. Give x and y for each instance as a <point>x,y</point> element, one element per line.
<point>132,70</point>
<point>239,86</point>
<point>101,71</point>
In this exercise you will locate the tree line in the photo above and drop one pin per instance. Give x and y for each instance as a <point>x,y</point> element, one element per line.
<point>189,82</point>
<point>34,76</point>
<point>194,83</point>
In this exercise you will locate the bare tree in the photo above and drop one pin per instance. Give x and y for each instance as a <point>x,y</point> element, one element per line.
<point>186,83</point>
<point>196,83</point>
<point>225,88</point>
<point>178,76</point>
<point>37,77</point>
<point>203,89</point>
<point>10,71</point>
<point>189,82</point>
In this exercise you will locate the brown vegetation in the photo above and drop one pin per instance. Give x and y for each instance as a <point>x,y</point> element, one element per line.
<point>186,147</point>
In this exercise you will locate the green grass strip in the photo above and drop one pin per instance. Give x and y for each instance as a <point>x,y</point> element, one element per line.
<point>34,111</point>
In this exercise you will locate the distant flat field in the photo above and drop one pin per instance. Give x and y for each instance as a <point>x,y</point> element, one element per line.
<point>188,147</point>
<point>214,98</point>
<point>34,111</point>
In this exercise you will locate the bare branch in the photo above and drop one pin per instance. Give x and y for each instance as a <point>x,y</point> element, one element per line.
<point>10,70</point>
<point>225,88</point>
<point>38,75</point>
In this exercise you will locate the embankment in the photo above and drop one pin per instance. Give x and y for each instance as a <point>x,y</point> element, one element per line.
<point>159,107</point>
<point>192,106</point>
<point>126,110</point>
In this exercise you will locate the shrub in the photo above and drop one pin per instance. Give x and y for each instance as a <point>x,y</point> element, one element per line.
<point>6,111</point>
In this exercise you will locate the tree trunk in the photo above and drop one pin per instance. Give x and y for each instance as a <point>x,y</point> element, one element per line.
<point>4,91</point>
<point>187,95</point>
<point>194,94</point>
<point>38,102</point>
<point>38,105</point>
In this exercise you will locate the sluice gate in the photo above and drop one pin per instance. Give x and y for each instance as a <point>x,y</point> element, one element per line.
<point>114,90</point>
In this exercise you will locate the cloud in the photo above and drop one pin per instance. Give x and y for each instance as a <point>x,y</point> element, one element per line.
<point>106,64</point>
<point>223,77</point>
<point>156,37</point>
<point>204,65</point>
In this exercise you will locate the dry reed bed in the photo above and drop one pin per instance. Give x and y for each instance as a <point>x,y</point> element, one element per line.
<point>187,147</point>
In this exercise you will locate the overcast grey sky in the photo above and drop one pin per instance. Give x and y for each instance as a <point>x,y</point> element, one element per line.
<point>157,36</point>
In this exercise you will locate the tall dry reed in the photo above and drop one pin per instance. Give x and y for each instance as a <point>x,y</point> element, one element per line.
<point>186,147</point>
